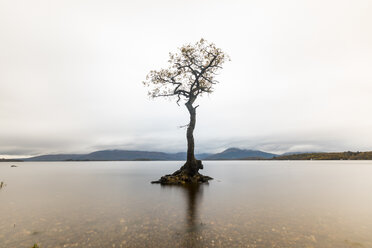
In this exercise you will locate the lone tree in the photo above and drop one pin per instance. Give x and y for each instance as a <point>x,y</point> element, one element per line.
<point>190,75</point>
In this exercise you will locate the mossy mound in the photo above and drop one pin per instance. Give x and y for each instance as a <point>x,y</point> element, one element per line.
<point>181,178</point>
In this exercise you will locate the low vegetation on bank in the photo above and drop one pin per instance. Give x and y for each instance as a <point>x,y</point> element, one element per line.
<point>328,156</point>
<point>10,160</point>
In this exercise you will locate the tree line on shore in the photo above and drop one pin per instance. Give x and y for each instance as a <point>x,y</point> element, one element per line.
<point>327,156</point>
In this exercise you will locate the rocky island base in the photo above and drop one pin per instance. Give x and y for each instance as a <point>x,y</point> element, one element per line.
<point>181,177</point>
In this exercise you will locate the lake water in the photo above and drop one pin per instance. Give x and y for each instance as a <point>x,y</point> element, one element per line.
<point>248,204</point>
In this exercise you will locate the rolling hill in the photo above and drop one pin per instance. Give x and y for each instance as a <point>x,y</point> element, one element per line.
<point>240,154</point>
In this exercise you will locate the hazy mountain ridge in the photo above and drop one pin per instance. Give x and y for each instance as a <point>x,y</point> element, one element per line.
<point>132,155</point>
<point>115,155</point>
<point>236,153</point>
<point>295,153</point>
<point>53,157</point>
<point>228,154</point>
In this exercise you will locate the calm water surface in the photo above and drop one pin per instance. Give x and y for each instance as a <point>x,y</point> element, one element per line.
<point>249,204</point>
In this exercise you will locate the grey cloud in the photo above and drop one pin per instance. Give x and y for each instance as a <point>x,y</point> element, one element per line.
<point>71,73</point>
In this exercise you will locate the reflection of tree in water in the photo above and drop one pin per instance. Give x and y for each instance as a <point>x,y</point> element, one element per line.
<point>193,195</point>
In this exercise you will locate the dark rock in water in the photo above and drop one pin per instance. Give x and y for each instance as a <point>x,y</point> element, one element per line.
<point>13,165</point>
<point>182,178</point>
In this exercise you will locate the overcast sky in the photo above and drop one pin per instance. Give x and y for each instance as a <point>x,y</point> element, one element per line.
<point>71,72</point>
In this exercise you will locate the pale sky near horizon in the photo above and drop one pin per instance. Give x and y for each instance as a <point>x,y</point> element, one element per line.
<point>299,78</point>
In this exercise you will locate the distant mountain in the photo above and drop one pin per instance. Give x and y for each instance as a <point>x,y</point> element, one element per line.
<point>116,155</point>
<point>241,154</point>
<point>201,156</point>
<point>53,157</point>
<point>183,155</point>
<point>127,155</point>
<point>294,153</point>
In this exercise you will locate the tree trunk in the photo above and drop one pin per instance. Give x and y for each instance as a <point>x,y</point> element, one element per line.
<point>188,173</point>
<point>190,134</point>
<point>192,165</point>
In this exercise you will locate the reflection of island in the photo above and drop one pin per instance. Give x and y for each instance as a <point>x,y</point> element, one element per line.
<point>193,195</point>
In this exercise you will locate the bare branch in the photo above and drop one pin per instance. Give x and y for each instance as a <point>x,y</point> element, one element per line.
<point>184,126</point>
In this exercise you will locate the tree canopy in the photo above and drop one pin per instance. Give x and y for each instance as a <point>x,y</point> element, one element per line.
<point>190,74</point>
